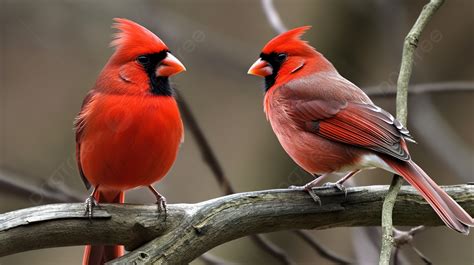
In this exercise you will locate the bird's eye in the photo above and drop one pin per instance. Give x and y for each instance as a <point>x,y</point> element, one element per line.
<point>143,59</point>
<point>281,57</point>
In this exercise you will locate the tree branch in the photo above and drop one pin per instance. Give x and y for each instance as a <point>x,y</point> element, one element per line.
<point>272,249</point>
<point>325,253</point>
<point>411,42</point>
<point>409,47</point>
<point>424,88</point>
<point>192,229</point>
<point>11,182</point>
<point>273,17</point>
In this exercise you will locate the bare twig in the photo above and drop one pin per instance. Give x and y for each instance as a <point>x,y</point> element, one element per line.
<point>273,249</point>
<point>273,17</point>
<point>425,88</point>
<point>11,182</point>
<point>326,253</point>
<point>402,238</point>
<point>387,222</point>
<point>425,259</point>
<point>409,47</point>
<point>192,229</point>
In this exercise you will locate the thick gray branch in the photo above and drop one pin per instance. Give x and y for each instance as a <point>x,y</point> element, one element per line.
<point>192,229</point>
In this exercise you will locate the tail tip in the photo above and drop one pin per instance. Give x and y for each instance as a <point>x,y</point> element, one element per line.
<point>463,229</point>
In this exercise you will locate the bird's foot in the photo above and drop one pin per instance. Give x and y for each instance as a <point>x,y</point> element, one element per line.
<point>161,203</point>
<point>309,189</point>
<point>89,204</point>
<point>337,186</point>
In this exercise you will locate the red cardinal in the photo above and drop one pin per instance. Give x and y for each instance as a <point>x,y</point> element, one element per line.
<point>129,129</point>
<point>327,124</point>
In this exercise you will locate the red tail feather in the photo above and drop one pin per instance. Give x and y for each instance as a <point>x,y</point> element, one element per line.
<point>98,255</point>
<point>447,209</point>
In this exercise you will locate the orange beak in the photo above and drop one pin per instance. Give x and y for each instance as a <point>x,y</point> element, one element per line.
<point>260,68</point>
<point>170,66</point>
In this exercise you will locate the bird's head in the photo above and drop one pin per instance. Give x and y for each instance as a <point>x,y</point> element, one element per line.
<point>141,63</point>
<point>285,57</point>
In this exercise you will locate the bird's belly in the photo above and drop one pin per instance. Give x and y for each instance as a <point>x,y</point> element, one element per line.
<point>127,147</point>
<point>313,153</point>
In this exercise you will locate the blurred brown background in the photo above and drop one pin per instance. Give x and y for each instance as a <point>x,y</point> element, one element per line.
<point>51,52</point>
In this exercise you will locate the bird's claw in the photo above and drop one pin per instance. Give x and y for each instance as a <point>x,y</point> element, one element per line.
<point>314,196</point>
<point>337,186</point>
<point>309,190</point>
<point>90,203</point>
<point>161,203</point>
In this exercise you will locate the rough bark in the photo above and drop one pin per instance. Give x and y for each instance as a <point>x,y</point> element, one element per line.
<point>192,229</point>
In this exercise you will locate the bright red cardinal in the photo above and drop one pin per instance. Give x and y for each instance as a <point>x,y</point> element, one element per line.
<point>129,129</point>
<point>327,124</point>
